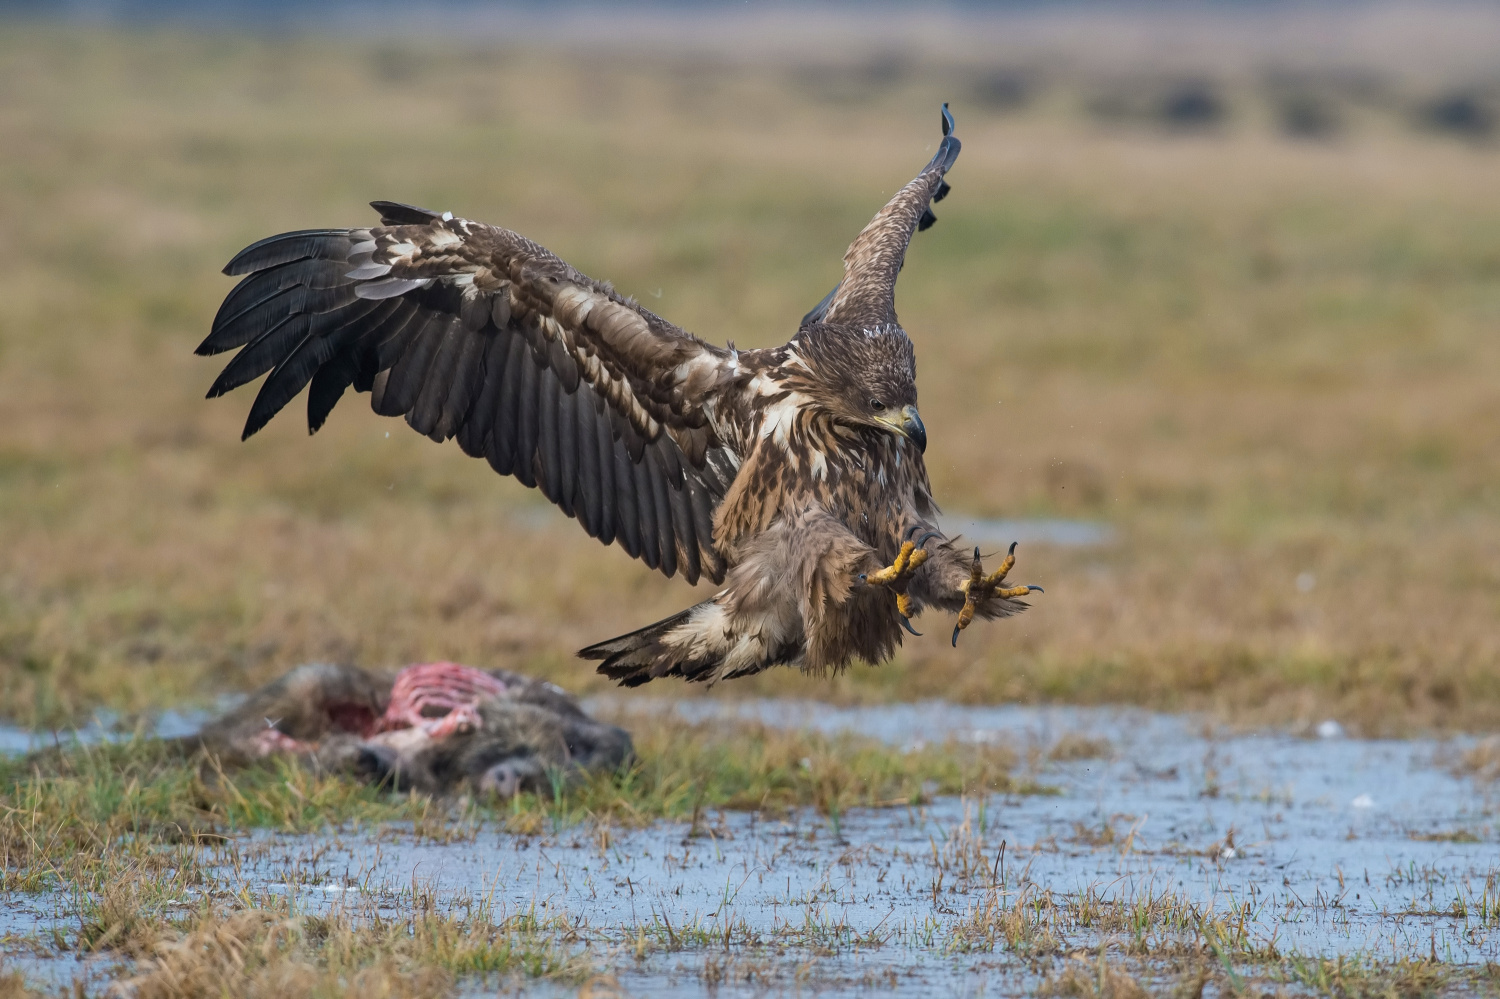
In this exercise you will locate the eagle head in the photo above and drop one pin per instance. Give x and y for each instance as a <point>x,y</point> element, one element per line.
<point>864,376</point>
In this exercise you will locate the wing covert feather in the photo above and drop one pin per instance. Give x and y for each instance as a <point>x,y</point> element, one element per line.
<point>476,333</point>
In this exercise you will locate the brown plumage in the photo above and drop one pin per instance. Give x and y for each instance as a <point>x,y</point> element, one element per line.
<point>792,475</point>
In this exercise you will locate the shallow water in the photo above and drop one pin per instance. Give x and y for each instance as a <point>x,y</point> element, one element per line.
<point>105,727</point>
<point>1314,847</point>
<point>1035,530</point>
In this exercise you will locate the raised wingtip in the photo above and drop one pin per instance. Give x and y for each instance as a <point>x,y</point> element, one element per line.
<point>947,151</point>
<point>396,213</point>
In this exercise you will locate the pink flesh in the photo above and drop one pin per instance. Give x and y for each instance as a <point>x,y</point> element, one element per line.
<point>450,687</point>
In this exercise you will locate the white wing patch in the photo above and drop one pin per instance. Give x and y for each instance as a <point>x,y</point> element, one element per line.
<point>780,421</point>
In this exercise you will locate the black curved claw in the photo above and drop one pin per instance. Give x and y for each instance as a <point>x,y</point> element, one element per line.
<point>1012,550</point>
<point>906,623</point>
<point>928,536</point>
<point>1038,589</point>
<point>956,630</point>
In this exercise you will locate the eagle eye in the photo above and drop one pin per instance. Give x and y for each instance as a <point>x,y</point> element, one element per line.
<point>877,405</point>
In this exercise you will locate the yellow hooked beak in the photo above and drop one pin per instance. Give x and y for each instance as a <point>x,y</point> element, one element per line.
<point>908,424</point>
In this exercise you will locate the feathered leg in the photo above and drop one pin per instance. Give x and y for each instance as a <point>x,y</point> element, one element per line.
<point>898,575</point>
<point>793,599</point>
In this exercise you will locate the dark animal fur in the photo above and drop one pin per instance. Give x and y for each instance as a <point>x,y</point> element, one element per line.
<point>537,738</point>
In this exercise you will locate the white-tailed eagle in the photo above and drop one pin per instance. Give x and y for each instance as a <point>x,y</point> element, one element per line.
<point>793,476</point>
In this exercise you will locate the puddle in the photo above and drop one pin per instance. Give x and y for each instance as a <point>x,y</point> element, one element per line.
<point>905,724</point>
<point>105,727</point>
<point>1046,531</point>
<point>1310,847</point>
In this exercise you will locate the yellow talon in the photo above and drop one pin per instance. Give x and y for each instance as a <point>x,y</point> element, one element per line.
<point>907,561</point>
<point>897,575</point>
<point>970,588</point>
<point>995,578</point>
<point>980,587</point>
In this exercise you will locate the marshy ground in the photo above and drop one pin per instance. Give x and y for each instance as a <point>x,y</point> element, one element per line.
<point>1218,345</point>
<point>1082,851</point>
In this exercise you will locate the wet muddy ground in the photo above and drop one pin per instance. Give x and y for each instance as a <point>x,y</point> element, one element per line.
<point>1162,839</point>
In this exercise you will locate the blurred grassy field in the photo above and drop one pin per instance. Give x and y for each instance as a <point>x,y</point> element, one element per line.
<point>1259,359</point>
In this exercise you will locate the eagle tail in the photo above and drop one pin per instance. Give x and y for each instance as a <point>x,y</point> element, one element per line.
<point>700,644</point>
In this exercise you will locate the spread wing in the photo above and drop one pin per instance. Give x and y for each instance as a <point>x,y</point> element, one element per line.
<point>476,333</point>
<point>867,294</point>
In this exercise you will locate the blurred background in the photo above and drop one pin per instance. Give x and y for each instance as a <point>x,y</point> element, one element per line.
<point>1209,323</point>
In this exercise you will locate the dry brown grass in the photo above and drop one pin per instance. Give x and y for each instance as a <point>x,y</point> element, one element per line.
<point>1481,760</point>
<point>1258,359</point>
<point>13,985</point>
<point>1101,982</point>
<point>1079,746</point>
<point>254,953</point>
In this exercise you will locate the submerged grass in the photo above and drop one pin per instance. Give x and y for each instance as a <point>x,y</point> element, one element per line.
<point>270,952</point>
<point>160,911</point>
<point>138,837</point>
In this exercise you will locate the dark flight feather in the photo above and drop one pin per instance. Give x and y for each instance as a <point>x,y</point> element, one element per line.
<point>507,408</point>
<point>271,329</point>
<point>432,387</point>
<point>308,244</point>
<point>605,451</point>
<point>404,383</point>
<point>589,506</point>
<point>645,504</point>
<point>286,380</point>
<point>327,388</point>
<point>236,323</point>
<point>476,433</point>
<point>528,427</point>
<point>549,447</point>
<point>662,508</point>
<point>566,407</point>
<point>627,520</point>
